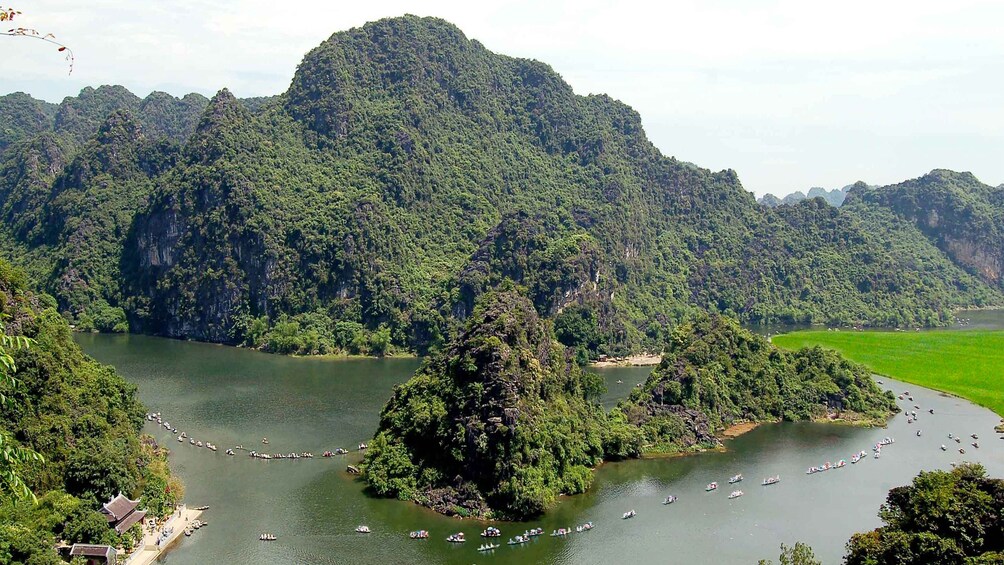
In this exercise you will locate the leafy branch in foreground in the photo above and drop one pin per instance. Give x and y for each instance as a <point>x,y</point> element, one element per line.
<point>8,15</point>
<point>12,456</point>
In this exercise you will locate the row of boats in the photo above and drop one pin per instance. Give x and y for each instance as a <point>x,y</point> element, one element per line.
<point>195,525</point>
<point>493,532</point>
<point>767,481</point>
<point>255,455</point>
<point>159,419</point>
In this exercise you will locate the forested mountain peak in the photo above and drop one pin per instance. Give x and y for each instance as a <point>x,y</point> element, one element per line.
<point>409,170</point>
<point>80,116</point>
<point>23,117</point>
<point>112,151</point>
<point>216,132</point>
<point>498,424</point>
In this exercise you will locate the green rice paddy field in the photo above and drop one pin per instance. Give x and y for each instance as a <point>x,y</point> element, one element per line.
<point>969,364</point>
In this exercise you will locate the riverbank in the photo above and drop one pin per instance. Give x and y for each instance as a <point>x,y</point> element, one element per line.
<point>152,547</point>
<point>736,430</point>
<point>640,360</point>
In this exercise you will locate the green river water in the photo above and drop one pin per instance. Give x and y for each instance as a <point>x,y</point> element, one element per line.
<point>233,396</point>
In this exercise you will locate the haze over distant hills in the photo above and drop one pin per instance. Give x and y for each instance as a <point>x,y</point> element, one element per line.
<point>408,170</point>
<point>833,197</point>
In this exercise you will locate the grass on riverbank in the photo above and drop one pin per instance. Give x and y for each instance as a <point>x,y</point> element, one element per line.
<point>969,364</point>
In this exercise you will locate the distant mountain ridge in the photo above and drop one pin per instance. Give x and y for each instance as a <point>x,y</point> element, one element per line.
<point>407,171</point>
<point>833,197</point>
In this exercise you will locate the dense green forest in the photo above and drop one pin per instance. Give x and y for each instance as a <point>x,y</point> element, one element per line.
<point>947,517</point>
<point>503,420</point>
<point>85,421</point>
<point>497,425</point>
<point>407,171</point>
<point>715,374</point>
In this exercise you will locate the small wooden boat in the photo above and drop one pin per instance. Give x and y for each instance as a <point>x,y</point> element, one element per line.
<point>363,530</point>
<point>711,487</point>
<point>771,480</point>
<point>629,514</point>
<point>735,494</point>
<point>489,547</point>
<point>419,534</point>
<point>669,500</point>
<point>456,538</point>
<point>491,532</point>
<point>735,479</point>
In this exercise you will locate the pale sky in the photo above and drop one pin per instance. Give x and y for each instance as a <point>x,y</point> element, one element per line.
<point>789,93</point>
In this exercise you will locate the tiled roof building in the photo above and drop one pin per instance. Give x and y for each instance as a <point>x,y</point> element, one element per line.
<point>121,513</point>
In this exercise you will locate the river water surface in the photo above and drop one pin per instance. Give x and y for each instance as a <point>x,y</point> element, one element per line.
<point>233,396</point>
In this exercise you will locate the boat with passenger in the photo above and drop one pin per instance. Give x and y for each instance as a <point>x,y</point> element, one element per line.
<point>419,534</point>
<point>363,530</point>
<point>456,538</point>
<point>491,532</point>
<point>711,487</point>
<point>735,479</point>
<point>560,532</point>
<point>533,532</point>
<point>519,540</point>
<point>267,537</point>
<point>629,514</point>
<point>772,480</point>
<point>669,500</point>
<point>584,527</point>
<point>735,494</point>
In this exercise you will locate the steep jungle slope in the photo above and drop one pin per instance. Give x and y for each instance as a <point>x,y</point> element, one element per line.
<point>957,212</point>
<point>408,170</point>
<point>715,374</point>
<point>85,420</point>
<point>502,421</point>
<point>498,424</point>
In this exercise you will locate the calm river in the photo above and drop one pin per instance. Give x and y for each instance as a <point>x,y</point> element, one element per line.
<point>233,396</point>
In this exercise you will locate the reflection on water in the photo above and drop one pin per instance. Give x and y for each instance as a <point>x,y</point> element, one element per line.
<point>231,396</point>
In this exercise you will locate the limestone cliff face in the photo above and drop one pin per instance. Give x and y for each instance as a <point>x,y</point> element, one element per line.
<point>520,248</point>
<point>961,215</point>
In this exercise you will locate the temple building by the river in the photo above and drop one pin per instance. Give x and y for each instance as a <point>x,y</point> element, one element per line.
<point>121,513</point>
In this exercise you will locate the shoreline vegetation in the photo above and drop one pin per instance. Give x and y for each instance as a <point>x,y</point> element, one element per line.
<point>86,422</point>
<point>503,421</point>
<point>932,359</point>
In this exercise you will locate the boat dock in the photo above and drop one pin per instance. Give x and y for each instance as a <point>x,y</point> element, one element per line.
<point>155,544</point>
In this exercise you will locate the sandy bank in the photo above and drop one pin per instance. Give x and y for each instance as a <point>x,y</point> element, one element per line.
<point>641,360</point>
